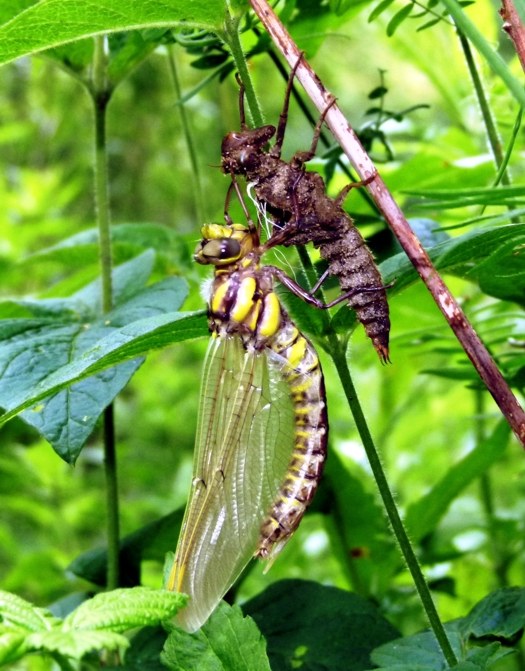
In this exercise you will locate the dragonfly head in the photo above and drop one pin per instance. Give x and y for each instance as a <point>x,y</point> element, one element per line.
<point>223,245</point>
<point>241,151</point>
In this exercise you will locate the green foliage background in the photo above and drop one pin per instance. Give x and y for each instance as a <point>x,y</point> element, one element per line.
<point>457,477</point>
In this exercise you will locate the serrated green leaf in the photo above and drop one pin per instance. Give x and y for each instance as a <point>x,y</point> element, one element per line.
<point>308,625</point>
<point>128,342</point>
<point>501,614</point>
<point>51,23</point>
<point>124,609</point>
<point>19,614</point>
<point>76,644</point>
<point>229,641</point>
<point>424,515</point>
<point>33,349</point>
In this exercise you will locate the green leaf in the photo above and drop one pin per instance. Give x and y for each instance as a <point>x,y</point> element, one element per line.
<point>398,19</point>
<point>128,241</point>
<point>145,650</point>
<point>501,614</point>
<point>469,256</point>
<point>76,644</point>
<point>379,9</point>
<point>123,609</point>
<point>59,335</point>
<point>419,652</point>
<point>229,641</point>
<point>128,342</point>
<point>13,645</point>
<point>19,614</point>
<point>311,626</point>
<point>51,23</point>
<point>423,516</point>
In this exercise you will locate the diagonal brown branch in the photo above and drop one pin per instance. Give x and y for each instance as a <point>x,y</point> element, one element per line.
<point>513,25</point>
<point>347,138</point>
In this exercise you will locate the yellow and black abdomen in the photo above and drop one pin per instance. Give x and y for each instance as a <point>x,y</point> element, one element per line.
<point>245,303</point>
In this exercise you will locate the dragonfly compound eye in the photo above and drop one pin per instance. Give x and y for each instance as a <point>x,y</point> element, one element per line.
<point>218,252</point>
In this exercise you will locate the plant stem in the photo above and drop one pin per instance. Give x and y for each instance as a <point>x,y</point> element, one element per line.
<point>198,199</point>
<point>101,95</point>
<point>337,349</point>
<point>339,358</point>
<point>232,38</point>
<point>488,119</point>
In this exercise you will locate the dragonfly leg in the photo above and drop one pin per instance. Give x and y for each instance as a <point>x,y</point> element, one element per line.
<point>308,297</point>
<point>339,199</point>
<point>301,157</point>
<point>275,151</point>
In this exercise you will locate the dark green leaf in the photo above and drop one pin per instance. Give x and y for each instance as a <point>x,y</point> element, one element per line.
<point>152,541</point>
<point>63,335</point>
<point>379,9</point>
<point>378,92</point>
<point>490,255</point>
<point>227,642</point>
<point>500,614</point>
<point>398,19</point>
<point>310,626</point>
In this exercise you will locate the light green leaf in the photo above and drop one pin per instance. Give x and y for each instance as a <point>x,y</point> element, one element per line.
<point>12,645</point>
<point>19,614</point>
<point>53,22</point>
<point>229,641</point>
<point>494,60</point>
<point>76,644</point>
<point>424,515</point>
<point>123,609</point>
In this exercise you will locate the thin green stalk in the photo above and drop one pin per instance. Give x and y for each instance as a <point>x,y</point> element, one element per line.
<point>339,358</point>
<point>232,38</point>
<point>101,95</point>
<point>337,349</point>
<point>486,112</point>
<point>198,199</point>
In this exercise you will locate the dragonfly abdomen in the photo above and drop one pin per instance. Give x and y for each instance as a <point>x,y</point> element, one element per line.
<point>301,369</point>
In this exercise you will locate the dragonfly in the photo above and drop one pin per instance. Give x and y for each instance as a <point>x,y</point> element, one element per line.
<point>262,425</point>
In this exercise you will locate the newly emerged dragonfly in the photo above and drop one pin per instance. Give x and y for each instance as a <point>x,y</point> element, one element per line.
<point>262,426</point>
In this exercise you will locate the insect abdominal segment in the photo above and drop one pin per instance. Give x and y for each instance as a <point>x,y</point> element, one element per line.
<point>262,428</point>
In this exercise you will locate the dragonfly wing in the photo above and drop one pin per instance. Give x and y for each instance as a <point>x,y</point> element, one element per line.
<point>245,438</point>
